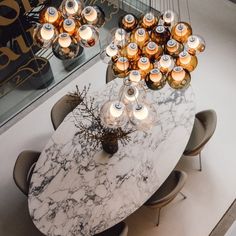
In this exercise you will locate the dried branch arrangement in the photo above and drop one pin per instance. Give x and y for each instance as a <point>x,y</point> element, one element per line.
<point>87,120</point>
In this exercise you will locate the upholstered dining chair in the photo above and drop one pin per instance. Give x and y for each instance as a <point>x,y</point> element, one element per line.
<point>62,108</point>
<point>203,129</point>
<point>167,192</point>
<point>120,229</point>
<point>109,74</point>
<point>23,169</point>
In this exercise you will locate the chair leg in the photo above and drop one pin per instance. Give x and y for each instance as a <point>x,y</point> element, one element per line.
<point>200,161</point>
<point>184,196</point>
<point>158,216</point>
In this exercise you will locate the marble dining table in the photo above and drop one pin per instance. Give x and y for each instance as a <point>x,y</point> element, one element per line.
<point>76,190</point>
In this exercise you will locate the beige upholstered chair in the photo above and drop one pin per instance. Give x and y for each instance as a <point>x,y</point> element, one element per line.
<point>167,192</point>
<point>109,74</point>
<point>203,129</point>
<point>62,108</point>
<point>23,169</point>
<point>120,229</point>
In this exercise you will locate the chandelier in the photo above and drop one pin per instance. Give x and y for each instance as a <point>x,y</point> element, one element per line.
<point>148,53</point>
<point>68,28</point>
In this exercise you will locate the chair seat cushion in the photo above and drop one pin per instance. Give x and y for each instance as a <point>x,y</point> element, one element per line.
<point>197,135</point>
<point>165,188</point>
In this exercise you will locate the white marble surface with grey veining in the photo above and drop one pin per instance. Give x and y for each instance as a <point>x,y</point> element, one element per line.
<point>79,191</point>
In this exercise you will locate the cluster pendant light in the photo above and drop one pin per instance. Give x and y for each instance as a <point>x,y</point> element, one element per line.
<point>151,51</point>
<point>68,28</point>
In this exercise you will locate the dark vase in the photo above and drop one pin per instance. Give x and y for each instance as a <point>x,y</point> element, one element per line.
<point>110,146</point>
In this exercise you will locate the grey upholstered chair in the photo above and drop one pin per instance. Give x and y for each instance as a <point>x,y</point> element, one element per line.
<point>167,192</point>
<point>62,108</point>
<point>109,74</point>
<point>203,129</point>
<point>23,169</point>
<point>120,229</point>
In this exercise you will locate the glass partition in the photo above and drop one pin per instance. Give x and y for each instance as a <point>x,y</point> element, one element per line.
<point>28,72</point>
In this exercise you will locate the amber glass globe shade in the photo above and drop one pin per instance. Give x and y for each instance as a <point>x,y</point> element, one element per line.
<point>128,22</point>
<point>139,36</point>
<point>155,79</point>
<point>50,15</point>
<point>187,61</point>
<point>160,35</point>
<point>181,31</point>
<point>148,21</point>
<point>174,48</point>
<point>144,66</point>
<point>121,67</point>
<point>131,51</point>
<point>152,51</point>
<point>179,78</point>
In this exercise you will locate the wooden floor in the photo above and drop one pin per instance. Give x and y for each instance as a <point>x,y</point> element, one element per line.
<point>226,221</point>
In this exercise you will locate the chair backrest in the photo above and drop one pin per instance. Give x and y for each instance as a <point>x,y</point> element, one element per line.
<point>120,229</point>
<point>208,120</point>
<point>169,189</point>
<point>23,169</point>
<point>109,74</point>
<point>62,108</point>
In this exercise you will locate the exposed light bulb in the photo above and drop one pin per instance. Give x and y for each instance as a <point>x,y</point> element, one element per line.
<point>71,7</point>
<point>47,31</point>
<point>187,61</point>
<point>185,57</point>
<point>69,25</point>
<point>132,49</point>
<point>51,15</point>
<point>131,94</point>
<point>116,109</point>
<point>85,32</point>
<point>178,73</point>
<point>169,17</point>
<point>120,34</point>
<point>140,112</point>
<point>155,75</point>
<point>149,18</point>
<point>129,18</point>
<point>64,40</point>
<point>111,50</point>
<point>113,114</point>
<point>166,61</point>
<point>90,14</point>
<point>144,63</point>
<point>181,31</point>
<point>195,44</point>
<point>122,63</point>
<point>135,76</point>
<point>193,41</point>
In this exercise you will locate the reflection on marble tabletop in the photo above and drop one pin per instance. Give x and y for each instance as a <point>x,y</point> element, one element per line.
<point>78,191</point>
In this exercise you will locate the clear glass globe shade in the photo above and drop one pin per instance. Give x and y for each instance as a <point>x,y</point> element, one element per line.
<point>135,76</point>
<point>143,116</point>
<point>64,40</point>
<point>89,13</point>
<point>47,31</point>
<point>113,114</point>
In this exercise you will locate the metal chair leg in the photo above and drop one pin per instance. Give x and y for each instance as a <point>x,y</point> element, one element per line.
<point>184,196</point>
<point>158,216</point>
<point>200,161</point>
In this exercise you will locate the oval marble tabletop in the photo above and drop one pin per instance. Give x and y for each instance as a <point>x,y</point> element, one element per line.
<point>77,191</point>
